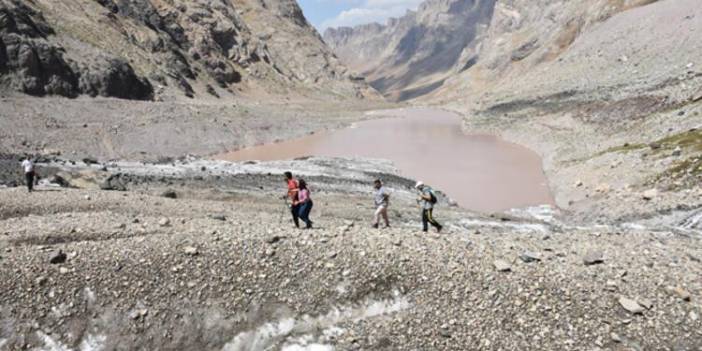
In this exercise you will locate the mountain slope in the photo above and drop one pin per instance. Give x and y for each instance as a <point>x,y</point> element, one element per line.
<point>609,92</point>
<point>165,50</point>
<point>412,55</point>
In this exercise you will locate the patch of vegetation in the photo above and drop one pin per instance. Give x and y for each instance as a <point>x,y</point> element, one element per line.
<point>622,148</point>
<point>682,174</point>
<point>691,139</point>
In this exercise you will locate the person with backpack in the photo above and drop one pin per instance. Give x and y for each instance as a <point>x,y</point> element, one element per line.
<point>292,195</point>
<point>304,203</point>
<point>29,173</point>
<point>427,200</point>
<point>382,200</point>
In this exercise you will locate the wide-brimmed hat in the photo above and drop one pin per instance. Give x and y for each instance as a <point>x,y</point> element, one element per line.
<point>419,184</point>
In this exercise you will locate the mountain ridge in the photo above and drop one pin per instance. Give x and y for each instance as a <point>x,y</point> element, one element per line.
<point>166,50</point>
<point>409,55</point>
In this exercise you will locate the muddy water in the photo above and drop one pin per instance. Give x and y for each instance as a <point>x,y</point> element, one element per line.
<point>480,172</point>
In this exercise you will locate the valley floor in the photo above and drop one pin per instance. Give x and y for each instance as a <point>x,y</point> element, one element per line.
<point>222,268</point>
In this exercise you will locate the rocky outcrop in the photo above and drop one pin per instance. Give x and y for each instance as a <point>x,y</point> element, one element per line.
<point>149,49</point>
<point>32,64</point>
<point>412,55</point>
<point>28,62</point>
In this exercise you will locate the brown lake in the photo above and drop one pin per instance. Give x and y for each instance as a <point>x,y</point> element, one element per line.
<point>480,172</point>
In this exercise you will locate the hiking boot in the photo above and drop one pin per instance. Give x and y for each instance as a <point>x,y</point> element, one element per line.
<point>439,228</point>
<point>375,226</point>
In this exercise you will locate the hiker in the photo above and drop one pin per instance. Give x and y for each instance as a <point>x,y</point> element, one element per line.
<point>28,167</point>
<point>304,202</point>
<point>382,200</point>
<point>427,199</point>
<point>293,190</point>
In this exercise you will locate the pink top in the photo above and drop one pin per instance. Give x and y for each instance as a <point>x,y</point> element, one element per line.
<point>303,195</point>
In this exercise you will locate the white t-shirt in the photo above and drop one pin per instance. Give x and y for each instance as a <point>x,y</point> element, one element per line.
<point>28,166</point>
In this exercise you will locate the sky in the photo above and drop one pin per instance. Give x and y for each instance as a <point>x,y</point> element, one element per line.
<point>337,13</point>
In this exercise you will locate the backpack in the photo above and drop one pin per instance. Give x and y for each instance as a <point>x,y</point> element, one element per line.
<point>433,199</point>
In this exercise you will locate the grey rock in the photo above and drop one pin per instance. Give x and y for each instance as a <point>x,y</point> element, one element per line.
<point>164,222</point>
<point>114,183</point>
<point>529,257</point>
<point>615,337</point>
<point>58,180</point>
<point>58,257</point>
<point>171,194</point>
<point>631,306</point>
<point>444,331</point>
<point>138,313</point>
<point>502,266</point>
<point>646,303</point>
<point>219,217</point>
<point>274,239</point>
<point>593,258</point>
<point>650,194</point>
<point>679,292</point>
<point>191,251</point>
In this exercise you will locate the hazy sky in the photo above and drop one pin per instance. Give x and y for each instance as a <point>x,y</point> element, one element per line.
<point>336,13</point>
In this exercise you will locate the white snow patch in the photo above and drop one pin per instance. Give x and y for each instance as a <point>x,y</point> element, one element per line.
<point>300,334</point>
<point>89,343</point>
<point>544,213</point>
<point>518,227</point>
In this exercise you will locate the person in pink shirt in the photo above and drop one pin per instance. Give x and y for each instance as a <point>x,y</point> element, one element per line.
<point>304,202</point>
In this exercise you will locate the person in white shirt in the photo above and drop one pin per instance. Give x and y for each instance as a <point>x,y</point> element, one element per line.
<point>28,167</point>
<point>382,200</point>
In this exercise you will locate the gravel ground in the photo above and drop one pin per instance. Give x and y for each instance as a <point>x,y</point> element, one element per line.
<point>109,129</point>
<point>142,271</point>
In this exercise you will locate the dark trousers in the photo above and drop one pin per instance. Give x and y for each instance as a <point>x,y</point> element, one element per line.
<point>29,177</point>
<point>305,209</point>
<point>428,218</point>
<point>295,210</point>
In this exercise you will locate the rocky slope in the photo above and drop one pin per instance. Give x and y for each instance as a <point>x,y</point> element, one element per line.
<point>612,101</point>
<point>214,264</point>
<point>165,50</point>
<point>412,55</point>
<point>608,92</point>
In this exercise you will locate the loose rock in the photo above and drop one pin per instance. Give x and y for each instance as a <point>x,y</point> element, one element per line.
<point>58,258</point>
<point>631,306</point>
<point>191,251</point>
<point>502,266</point>
<point>529,257</point>
<point>593,258</point>
<point>651,194</point>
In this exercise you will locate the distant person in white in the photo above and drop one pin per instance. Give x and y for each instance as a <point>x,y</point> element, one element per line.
<point>28,167</point>
<point>382,200</point>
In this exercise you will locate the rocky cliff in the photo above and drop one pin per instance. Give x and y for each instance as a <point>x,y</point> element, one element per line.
<point>412,55</point>
<point>165,50</point>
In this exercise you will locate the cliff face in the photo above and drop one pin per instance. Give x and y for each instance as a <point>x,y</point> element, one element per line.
<point>525,37</point>
<point>451,40</point>
<point>166,50</point>
<point>413,55</point>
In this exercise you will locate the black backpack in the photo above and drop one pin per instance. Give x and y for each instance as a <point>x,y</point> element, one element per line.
<point>433,199</point>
